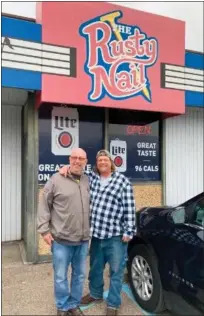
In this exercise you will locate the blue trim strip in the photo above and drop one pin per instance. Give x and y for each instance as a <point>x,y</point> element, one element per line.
<point>194,99</point>
<point>20,29</point>
<point>194,60</point>
<point>22,79</point>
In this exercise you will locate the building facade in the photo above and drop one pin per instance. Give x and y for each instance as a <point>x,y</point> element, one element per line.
<point>98,79</point>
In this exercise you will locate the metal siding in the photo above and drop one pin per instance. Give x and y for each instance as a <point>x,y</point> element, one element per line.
<point>12,96</point>
<point>11,173</point>
<point>184,163</point>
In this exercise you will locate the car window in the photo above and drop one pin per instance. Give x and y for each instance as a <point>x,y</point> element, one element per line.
<point>198,213</point>
<point>192,200</point>
<point>179,215</point>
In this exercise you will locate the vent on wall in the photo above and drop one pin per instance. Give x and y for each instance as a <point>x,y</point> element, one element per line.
<point>38,57</point>
<point>182,78</point>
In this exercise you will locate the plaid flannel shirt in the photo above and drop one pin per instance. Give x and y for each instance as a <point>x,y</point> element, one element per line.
<point>112,207</point>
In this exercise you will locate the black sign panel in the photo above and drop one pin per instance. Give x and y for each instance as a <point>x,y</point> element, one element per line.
<point>135,149</point>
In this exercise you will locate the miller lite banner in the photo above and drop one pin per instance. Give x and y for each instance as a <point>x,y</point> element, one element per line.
<point>65,130</point>
<point>63,127</point>
<point>111,56</point>
<point>118,151</point>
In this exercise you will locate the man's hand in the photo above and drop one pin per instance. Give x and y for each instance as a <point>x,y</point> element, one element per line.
<point>64,171</point>
<point>126,238</point>
<point>48,239</point>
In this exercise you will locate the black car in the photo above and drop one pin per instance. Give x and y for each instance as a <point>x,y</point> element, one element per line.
<point>166,258</point>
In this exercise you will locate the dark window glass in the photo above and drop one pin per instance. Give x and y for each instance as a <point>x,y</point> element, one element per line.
<point>198,213</point>
<point>134,139</point>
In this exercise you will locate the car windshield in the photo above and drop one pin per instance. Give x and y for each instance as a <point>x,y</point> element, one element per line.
<point>192,200</point>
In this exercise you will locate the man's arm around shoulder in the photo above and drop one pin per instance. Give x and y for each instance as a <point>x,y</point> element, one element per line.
<point>66,170</point>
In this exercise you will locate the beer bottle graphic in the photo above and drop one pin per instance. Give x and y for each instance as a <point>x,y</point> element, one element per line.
<point>118,151</point>
<point>65,130</point>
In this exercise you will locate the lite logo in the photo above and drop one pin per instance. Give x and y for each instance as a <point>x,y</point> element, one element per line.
<point>65,130</point>
<point>118,151</point>
<point>118,57</point>
<point>64,122</point>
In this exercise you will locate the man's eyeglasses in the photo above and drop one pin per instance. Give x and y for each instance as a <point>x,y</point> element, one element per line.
<point>81,159</point>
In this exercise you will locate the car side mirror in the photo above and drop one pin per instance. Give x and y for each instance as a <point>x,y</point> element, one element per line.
<point>179,215</point>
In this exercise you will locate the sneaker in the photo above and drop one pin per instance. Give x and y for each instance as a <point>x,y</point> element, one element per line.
<point>111,311</point>
<point>74,312</point>
<point>61,313</point>
<point>87,299</point>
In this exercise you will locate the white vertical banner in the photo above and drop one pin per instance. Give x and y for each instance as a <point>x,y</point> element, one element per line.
<point>65,130</point>
<point>118,151</point>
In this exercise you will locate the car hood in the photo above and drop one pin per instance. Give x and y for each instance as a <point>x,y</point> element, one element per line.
<point>155,209</point>
<point>150,217</point>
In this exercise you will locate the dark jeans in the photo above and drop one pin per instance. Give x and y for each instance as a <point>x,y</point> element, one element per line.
<point>112,251</point>
<point>63,256</point>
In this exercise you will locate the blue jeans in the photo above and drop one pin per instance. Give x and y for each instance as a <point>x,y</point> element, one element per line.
<point>112,251</point>
<point>63,255</point>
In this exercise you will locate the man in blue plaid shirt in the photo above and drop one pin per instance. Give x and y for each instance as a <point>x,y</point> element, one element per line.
<point>112,227</point>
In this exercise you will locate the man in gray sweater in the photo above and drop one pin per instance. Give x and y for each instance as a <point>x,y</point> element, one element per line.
<point>63,222</point>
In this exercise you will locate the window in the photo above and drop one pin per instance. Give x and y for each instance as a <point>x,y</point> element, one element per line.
<point>198,213</point>
<point>134,140</point>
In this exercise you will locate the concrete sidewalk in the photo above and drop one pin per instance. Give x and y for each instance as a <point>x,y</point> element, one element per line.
<point>28,289</point>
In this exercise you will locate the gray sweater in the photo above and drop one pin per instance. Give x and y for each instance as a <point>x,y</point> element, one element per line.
<point>64,208</point>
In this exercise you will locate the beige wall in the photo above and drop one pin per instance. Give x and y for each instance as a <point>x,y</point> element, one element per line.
<point>148,194</point>
<point>145,195</point>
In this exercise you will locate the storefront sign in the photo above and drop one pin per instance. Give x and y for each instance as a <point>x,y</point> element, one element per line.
<point>118,57</point>
<point>116,53</point>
